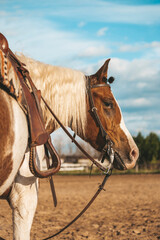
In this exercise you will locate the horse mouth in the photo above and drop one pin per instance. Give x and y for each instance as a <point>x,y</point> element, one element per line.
<point>118,162</point>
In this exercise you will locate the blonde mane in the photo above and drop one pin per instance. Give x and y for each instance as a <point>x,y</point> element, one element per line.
<point>64,90</point>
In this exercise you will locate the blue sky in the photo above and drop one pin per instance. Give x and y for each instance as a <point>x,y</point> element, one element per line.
<point>83,34</point>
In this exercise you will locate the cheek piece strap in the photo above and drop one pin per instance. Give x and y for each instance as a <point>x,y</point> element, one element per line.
<point>107,151</point>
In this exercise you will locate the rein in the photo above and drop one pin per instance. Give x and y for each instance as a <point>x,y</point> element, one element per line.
<point>100,188</point>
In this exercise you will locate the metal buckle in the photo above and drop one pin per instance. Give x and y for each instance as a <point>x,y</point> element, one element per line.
<point>93,108</point>
<point>110,153</point>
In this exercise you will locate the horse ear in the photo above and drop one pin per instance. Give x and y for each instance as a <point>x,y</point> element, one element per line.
<point>102,72</point>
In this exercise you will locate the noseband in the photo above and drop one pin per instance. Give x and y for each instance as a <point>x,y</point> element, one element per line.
<point>107,150</point>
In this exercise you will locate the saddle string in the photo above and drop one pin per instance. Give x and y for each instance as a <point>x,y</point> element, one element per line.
<point>54,197</point>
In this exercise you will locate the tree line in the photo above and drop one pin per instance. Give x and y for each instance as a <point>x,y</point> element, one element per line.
<point>149,148</point>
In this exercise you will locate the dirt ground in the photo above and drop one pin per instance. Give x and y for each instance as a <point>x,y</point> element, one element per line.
<point>128,209</point>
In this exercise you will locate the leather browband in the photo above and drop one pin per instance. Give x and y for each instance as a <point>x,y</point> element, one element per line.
<point>100,85</point>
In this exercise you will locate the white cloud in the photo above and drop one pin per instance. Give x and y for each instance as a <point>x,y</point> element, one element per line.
<point>44,41</point>
<point>136,69</point>
<point>102,31</point>
<point>139,46</point>
<point>129,48</point>
<point>104,11</point>
<point>155,44</point>
<point>81,24</point>
<point>145,123</point>
<point>94,51</point>
<point>136,102</point>
<point>142,85</point>
<point>3,13</point>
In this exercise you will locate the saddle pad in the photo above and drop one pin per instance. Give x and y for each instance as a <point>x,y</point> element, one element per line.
<point>9,78</point>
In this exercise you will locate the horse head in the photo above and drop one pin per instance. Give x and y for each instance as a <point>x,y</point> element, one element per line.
<point>104,119</point>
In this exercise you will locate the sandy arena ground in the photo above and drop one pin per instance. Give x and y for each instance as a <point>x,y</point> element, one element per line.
<point>128,209</point>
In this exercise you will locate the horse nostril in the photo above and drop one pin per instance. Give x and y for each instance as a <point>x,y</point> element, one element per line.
<point>134,154</point>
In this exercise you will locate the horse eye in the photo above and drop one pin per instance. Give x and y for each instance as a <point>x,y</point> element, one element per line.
<point>108,104</point>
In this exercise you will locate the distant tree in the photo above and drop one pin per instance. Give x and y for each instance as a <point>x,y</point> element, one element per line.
<point>151,147</point>
<point>140,141</point>
<point>159,150</point>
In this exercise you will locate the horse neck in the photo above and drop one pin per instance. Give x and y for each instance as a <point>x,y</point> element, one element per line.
<point>64,90</point>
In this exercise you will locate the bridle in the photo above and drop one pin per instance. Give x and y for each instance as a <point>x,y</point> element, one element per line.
<point>107,150</point>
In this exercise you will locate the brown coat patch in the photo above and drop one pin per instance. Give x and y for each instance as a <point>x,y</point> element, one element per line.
<point>6,137</point>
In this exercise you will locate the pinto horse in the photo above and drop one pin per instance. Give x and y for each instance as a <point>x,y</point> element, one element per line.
<point>65,90</point>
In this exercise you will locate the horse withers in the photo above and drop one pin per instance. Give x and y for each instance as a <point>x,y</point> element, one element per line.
<point>65,90</point>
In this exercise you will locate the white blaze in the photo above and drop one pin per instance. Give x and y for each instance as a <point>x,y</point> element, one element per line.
<point>134,152</point>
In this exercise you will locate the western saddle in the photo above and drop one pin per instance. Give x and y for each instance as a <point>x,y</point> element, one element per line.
<point>30,101</point>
